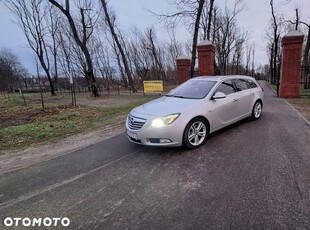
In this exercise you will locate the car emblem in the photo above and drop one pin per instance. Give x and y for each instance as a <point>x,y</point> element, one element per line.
<point>131,120</point>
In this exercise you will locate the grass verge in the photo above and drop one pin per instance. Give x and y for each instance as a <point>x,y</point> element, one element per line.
<point>22,126</point>
<point>302,105</point>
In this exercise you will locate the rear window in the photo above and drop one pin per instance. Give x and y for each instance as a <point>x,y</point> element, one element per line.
<point>252,84</point>
<point>244,84</point>
<point>241,84</point>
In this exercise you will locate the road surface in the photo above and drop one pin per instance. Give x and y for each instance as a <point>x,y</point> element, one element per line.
<point>252,175</point>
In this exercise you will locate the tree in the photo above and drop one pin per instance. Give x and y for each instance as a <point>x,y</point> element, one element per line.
<point>275,72</point>
<point>190,12</point>
<point>206,21</point>
<point>82,35</point>
<point>30,15</point>
<point>228,37</point>
<point>110,21</point>
<point>195,36</point>
<point>53,26</point>
<point>11,71</point>
<point>141,60</point>
<point>153,48</point>
<point>306,56</point>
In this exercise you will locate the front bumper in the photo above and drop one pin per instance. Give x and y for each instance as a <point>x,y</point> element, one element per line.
<point>168,136</point>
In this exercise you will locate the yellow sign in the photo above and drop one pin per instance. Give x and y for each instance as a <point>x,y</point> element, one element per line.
<point>153,86</point>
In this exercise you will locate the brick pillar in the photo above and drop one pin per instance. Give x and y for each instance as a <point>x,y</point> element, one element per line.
<point>206,54</point>
<point>291,62</point>
<point>183,64</point>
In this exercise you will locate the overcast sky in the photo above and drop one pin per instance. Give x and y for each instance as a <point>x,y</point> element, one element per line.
<point>133,13</point>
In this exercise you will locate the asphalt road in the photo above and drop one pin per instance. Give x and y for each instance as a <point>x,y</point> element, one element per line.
<point>252,175</point>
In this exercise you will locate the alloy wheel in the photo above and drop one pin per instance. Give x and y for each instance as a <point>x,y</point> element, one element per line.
<point>197,133</point>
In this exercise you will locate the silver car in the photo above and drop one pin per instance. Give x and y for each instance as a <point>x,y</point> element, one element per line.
<point>193,110</point>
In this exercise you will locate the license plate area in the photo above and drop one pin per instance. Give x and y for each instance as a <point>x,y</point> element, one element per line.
<point>132,135</point>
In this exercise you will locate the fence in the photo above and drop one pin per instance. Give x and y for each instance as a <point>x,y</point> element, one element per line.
<point>305,81</point>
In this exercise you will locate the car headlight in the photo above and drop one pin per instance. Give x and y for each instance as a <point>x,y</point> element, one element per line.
<point>160,122</point>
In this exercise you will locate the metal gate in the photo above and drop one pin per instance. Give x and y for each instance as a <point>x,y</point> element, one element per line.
<point>305,81</point>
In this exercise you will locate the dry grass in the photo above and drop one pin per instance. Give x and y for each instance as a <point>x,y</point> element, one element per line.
<point>22,126</point>
<point>302,105</point>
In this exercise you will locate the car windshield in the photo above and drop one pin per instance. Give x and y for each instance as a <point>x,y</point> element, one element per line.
<point>195,89</point>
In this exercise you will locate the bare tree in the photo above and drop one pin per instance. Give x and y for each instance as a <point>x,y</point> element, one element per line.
<point>104,65</point>
<point>30,15</point>
<point>248,59</point>
<point>237,58</point>
<point>195,36</point>
<point>12,73</point>
<point>174,49</point>
<point>190,12</point>
<point>82,36</point>
<point>140,57</point>
<point>7,70</point>
<point>153,48</point>
<point>110,21</point>
<point>53,25</point>
<point>228,36</point>
<point>206,20</point>
<point>253,61</point>
<point>306,56</point>
<point>276,38</point>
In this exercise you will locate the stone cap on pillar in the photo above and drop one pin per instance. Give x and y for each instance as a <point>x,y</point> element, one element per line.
<point>205,43</point>
<point>293,37</point>
<point>294,33</point>
<point>183,61</point>
<point>183,57</point>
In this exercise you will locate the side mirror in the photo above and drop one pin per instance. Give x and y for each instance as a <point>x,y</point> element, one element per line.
<point>219,95</point>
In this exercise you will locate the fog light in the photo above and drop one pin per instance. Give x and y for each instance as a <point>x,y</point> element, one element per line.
<point>165,141</point>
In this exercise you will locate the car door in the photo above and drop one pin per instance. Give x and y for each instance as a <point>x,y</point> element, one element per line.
<point>245,97</point>
<point>225,110</point>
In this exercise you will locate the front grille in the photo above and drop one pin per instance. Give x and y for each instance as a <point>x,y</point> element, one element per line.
<point>135,123</point>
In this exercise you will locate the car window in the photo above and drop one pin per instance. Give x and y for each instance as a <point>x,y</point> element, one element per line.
<point>251,84</point>
<point>193,89</point>
<point>241,84</point>
<point>226,87</point>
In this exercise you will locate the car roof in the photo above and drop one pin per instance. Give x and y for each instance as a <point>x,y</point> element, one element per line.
<point>219,78</point>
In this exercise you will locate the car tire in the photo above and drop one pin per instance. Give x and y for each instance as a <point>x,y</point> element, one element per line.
<point>195,133</point>
<point>257,110</point>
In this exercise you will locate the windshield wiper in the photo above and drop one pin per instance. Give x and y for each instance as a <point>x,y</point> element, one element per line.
<point>179,96</point>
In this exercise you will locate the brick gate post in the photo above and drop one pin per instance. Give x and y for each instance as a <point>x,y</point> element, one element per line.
<point>206,55</point>
<point>183,64</point>
<point>291,62</point>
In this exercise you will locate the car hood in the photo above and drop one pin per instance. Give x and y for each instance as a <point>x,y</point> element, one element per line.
<point>166,105</point>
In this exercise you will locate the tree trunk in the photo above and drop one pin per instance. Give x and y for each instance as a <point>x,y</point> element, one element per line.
<point>307,49</point>
<point>195,37</point>
<point>210,19</point>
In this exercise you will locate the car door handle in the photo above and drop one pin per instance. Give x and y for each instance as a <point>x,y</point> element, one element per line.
<point>235,100</point>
